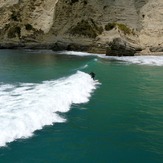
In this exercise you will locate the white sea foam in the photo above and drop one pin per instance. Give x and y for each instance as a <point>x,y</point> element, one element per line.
<point>143,60</point>
<point>25,108</point>
<point>79,53</point>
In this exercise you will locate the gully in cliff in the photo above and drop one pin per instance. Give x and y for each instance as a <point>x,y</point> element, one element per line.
<point>92,74</point>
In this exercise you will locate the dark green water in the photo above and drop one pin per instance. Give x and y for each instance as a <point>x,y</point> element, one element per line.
<point>121,123</point>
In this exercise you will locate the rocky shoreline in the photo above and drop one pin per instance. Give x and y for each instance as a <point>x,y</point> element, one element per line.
<point>113,49</point>
<point>131,28</point>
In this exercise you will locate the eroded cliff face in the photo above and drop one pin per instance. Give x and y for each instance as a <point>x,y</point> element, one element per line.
<point>151,34</point>
<point>100,24</point>
<point>24,19</point>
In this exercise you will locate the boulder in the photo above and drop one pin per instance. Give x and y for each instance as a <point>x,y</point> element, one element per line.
<point>119,47</point>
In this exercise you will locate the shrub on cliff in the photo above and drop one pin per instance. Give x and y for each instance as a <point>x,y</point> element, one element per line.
<point>15,16</point>
<point>28,27</point>
<point>124,28</point>
<point>87,29</point>
<point>98,29</point>
<point>72,2</point>
<point>14,31</point>
<point>110,26</point>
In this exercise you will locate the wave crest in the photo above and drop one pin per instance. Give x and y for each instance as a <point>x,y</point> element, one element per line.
<point>28,107</point>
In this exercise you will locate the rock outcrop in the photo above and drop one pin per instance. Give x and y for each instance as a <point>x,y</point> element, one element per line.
<point>118,27</point>
<point>26,19</point>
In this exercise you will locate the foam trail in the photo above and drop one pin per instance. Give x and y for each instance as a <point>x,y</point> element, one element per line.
<point>82,67</point>
<point>26,108</point>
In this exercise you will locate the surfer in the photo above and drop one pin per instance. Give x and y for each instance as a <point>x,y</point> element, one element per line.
<point>92,74</point>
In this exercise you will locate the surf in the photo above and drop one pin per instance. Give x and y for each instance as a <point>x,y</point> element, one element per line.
<point>27,107</point>
<point>140,60</point>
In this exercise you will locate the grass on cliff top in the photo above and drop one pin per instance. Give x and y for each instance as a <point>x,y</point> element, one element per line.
<point>87,29</point>
<point>124,28</point>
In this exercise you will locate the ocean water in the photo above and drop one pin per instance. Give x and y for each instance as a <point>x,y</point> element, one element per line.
<point>52,111</point>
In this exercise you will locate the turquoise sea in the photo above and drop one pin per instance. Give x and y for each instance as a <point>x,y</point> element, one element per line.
<point>51,111</point>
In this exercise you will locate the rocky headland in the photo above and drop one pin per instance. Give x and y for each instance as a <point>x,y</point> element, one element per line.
<point>114,27</point>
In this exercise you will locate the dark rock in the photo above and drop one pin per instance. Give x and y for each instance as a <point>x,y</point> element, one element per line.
<point>119,47</point>
<point>9,46</point>
<point>58,46</point>
<point>77,47</point>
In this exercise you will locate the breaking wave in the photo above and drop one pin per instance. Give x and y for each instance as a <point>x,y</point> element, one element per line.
<point>142,60</point>
<point>25,108</point>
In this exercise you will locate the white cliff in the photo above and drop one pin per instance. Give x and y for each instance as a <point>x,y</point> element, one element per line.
<point>152,24</point>
<point>137,23</point>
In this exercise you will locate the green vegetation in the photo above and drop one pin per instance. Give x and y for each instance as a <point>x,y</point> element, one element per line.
<point>73,1</point>
<point>83,28</point>
<point>110,26</point>
<point>85,2</point>
<point>86,28</point>
<point>14,31</point>
<point>122,27</point>
<point>28,27</point>
<point>15,16</point>
<point>98,29</point>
